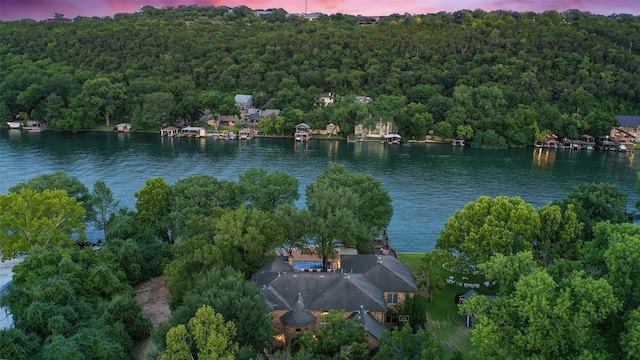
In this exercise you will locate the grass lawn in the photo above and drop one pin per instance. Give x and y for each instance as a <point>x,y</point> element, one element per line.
<point>444,322</point>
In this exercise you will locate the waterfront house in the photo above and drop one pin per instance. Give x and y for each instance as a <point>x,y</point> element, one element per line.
<point>628,130</point>
<point>194,131</point>
<point>227,120</point>
<point>269,112</point>
<point>124,127</point>
<point>376,128</point>
<point>169,131</point>
<point>298,295</point>
<point>244,102</point>
<point>326,99</point>
<point>248,130</point>
<point>331,129</point>
<point>303,132</point>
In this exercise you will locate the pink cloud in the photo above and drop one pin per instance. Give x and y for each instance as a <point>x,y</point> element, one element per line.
<point>43,9</point>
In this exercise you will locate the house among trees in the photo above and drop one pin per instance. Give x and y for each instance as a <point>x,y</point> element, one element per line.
<point>375,127</point>
<point>326,98</point>
<point>303,132</point>
<point>229,120</point>
<point>194,131</point>
<point>244,102</point>
<point>169,131</point>
<point>331,129</point>
<point>363,99</point>
<point>371,287</point>
<point>628,130</point>
<point>248,129</point>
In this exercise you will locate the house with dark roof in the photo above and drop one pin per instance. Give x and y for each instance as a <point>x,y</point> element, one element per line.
<point>628,131</point>
<point>373,328</point>
<point>369,285</point>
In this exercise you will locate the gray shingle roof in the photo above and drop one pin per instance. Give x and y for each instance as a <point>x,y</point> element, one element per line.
<point>327,290</point>
<point>628,121</point>
<point>386,272</point>
<point>242,98</point>
<point>372,325</point>
<point>349,292</point>
<point>298,316</point>
<point>362,281</point>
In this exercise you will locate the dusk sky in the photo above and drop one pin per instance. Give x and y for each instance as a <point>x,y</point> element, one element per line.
<point>44,9</point>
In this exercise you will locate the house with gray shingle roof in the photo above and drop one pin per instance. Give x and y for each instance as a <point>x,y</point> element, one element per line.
<point>243,102</point>
<point>371,325</point>
<point>370,283</point>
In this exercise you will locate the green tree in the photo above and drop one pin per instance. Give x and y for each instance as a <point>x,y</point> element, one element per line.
<point>387,106</point>
<point>199,195</point>
<point>444,130</point>
<point>59,348</point>
<point>503,225</point>
<point>489,140</point>
<point>207,333</point>
<point>429,274</point>
<point>154,207</point>
<point>561,234</point>
<point>266,191</point>
<point>76,294</point>
<point>60,181</point>
<point>631,337</point>
<point>339,337</point>
<point>52,110</point>
<point>404,344</point>
<point>16,344</point>
<point>5,112</point>
<point>100,98</point>
<point>191,257</point>
<point>29,219</point>
<point>346,209</point>
<point>157,110</point>
<point>235,298</point>
<point>245,236</point>
<point>532,321</point>
<point>597,202</point>
<point>506,270</point>
<point>218,103</point>
<point>104,205</point>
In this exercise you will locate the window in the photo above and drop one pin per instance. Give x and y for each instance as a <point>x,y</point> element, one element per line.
<point>391,318</point>
<point>392,298</point>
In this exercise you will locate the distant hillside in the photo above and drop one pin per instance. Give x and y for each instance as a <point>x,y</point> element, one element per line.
<point>567,73</point>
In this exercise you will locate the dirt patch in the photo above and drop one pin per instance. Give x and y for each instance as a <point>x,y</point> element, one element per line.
<point>153,297</point>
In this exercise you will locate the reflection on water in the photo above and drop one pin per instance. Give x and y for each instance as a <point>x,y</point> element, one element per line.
<point>544,157</point>
<point>427,182</point>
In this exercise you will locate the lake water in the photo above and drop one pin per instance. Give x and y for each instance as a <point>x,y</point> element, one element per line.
<point>427,182</point>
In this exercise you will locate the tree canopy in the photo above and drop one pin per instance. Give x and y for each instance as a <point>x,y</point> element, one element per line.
<point>501,225</point>
<point>30,219</point>
<point>347,209</point>
<point>499,77</point>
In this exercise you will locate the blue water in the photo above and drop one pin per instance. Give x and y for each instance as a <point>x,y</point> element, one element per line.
<point>427,182</point>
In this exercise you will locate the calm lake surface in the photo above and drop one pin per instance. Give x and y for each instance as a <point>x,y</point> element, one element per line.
<point>427,182</point>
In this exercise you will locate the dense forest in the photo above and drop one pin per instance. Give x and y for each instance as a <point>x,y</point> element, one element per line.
<point>566,275</point>
<point>498,78</point>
